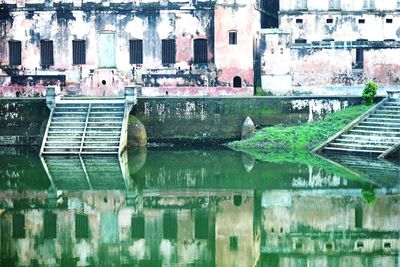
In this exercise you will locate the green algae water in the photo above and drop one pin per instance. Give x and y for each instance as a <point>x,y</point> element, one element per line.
<point>197,207</point>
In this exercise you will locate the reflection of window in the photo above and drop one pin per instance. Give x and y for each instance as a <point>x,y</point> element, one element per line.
<point>18,227</point>
<point>200,51</point>
<point>81,226</point>
<point>168,51</point>
<point>136,51</point>
<point>369,4</point>
<point>78,52</point>
<point>358,216</point>
<point>301,4</point>
<point>201,224</point>
<point>334,4</point>
<point>46,53</point>
<point>170,225</point>
<point>233,37</point>
<point>50,225</point>
<point>233,243</point>
<point>237,82</point>
<point>14,52</point>
<point>300,41</point>
<point>138,227</point>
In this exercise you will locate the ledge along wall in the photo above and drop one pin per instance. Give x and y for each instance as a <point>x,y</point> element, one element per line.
<point>179,120</point>
<point>217,120</point>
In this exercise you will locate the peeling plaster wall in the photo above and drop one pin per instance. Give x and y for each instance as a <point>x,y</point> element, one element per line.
<point>65,21</point>
<point>328,57</point>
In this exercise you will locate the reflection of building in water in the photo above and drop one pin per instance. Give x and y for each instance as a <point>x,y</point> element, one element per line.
<point>329,228</point>
<point>93,227</point>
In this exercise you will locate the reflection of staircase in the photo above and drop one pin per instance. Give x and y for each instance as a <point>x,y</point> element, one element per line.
<point>380,172</point>
<point>85,173</point>
<point>86,126</point>
<point>376,132</point>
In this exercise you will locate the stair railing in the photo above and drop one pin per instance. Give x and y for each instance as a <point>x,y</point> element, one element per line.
<point>46,133</point>
<point>350,125</point>
<point>85,128</point>
<point>392,149</point>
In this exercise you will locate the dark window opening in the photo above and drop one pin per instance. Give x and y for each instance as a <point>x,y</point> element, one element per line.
<point>168,51</point>
<point>387,245</point>
<point>237,82</point>
<point>78,52</point>
<point>301,4</point>
<point>389,20</point>
<point>14,52</point>
<point>138,227</point>
<point>360,244</point>
<point>270,14</point>
<point>81,226</point>
<point>136,51</point>
<point>18,226</point>
<point>358,216</point>
<point>329,21</point>
<point>328,40</point>
<point>200,51</point>
<point>237,200</point>
<point>299,21</point>
<point>46,53</point>
<point>329,246</point>
<point>233,37</point>
<point>201,224</point>
<point>298,245</point>
<point>300,41</point>
<point>335,4</point>
<point>361,21</point>
<point>50,225</point>
<point>170,225</point>
<point>233,243</point>
<point>389,40</point>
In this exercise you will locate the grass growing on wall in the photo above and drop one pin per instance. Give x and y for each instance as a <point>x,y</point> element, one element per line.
<point>303,137</point>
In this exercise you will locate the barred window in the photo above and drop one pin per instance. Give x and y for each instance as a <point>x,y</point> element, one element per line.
<point>138,226</point>
<point>14,52</point>
<point>18,225</point>
<point>168,51</point>
<point>201,221</point>
<point>170,225</point>
<point>301,4</point>
<point>81,226</point>
<point>359,58</point>
<point>50,225</point>
<point>136,51</point>
<point>335,4</point>
<point>369,4</point>
<point>233,37</point>
<point>200,51</point>
<point>46,53</point>
<point>78,52</point>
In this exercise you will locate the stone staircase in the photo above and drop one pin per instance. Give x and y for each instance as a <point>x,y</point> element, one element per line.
<point>86,126</point>
<point>377,132</point>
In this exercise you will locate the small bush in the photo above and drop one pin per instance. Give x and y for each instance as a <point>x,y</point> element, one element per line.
<point>369,92</point>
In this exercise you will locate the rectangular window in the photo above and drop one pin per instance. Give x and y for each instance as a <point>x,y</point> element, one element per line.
<point>14,52</point>
<point>335,4</point>
<point>81,226</point>
<point>358,217</point>
<point>137,227</point>
<point>136,51</point>
<point>233,38</point>
<point>18,226</point>
<point>300,41</point>
<point>50,225</point>
<point>369,4</point>
<point>359,58</point>
<point>301,4</point>
<point>329,21</point>
<point>46,53</point>
<point>168,51</point>
<point>78,52</point>
<point>389,20</point>
<point>201,224</point>
<point>200,51</point>
<point>233,243</point>
<point>170,225</point>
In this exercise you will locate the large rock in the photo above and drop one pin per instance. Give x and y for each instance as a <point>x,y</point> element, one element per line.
<point>137,136</point>
<point>248,128</point>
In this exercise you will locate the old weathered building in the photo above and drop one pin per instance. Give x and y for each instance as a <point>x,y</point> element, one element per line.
<point>167,47</point>
<point>330,46</point>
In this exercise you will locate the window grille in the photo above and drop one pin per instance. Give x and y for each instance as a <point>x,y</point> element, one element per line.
<point>78,52</point>
<point>170,225</point>
<point>200,51</point>
<point>138,227</point>
<point>14,52</point>
<point>233,37</point>
<point>81,226</point>
<point>136,51</point>
<point>46,53</point>
<point>168,51</point>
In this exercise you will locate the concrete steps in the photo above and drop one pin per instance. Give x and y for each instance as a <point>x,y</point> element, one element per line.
<point>375,134</point>
<point>85,126</point>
